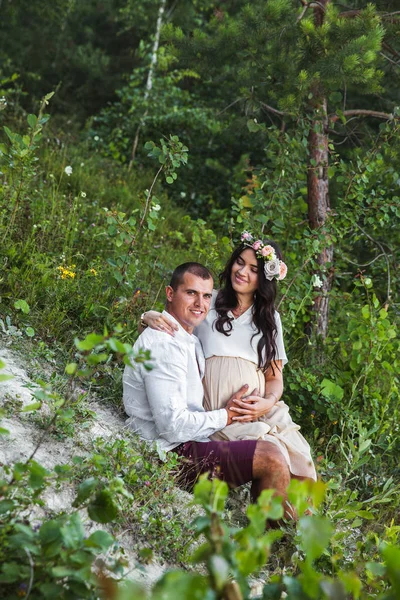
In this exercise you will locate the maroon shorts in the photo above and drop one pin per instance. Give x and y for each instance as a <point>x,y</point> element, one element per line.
<point>230,461</point>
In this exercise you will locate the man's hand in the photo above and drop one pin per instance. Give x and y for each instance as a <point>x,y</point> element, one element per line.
<point>252,407</point>
<point>237,396</point>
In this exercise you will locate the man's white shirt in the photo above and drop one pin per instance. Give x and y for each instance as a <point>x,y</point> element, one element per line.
<point>165,404</point>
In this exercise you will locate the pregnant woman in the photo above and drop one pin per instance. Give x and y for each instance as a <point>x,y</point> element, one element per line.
<point>242,342</point>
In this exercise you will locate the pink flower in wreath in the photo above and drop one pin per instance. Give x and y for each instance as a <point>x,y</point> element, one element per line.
<point>257,245</point>
<point>267,250</point>
<point>282,270</point>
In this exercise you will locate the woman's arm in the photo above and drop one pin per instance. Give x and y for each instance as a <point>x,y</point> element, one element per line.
<point>254,406</point>
<point>274,381</point>
<point>156,320</point>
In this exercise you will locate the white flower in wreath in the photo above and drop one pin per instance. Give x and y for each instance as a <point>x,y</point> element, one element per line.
<point>271,269</point>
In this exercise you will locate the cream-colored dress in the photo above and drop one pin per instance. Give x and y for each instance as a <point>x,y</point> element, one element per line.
<point>225,373</point>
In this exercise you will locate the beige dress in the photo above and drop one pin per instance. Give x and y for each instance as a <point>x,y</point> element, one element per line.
<point>225,374</point>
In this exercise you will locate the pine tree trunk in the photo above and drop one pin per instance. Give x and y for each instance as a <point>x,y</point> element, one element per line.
<point>318,191</point>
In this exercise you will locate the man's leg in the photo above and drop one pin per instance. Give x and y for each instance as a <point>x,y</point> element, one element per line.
<point>270,471</point>
<point>238,462</point>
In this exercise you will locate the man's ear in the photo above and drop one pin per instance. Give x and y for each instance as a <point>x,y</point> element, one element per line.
<point>169,292</point>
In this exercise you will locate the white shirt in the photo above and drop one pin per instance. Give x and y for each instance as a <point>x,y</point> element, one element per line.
<point>240,341</point>
<point>165,404</point>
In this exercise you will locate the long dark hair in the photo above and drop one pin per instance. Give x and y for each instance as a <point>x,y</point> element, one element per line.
<point>263,307</point>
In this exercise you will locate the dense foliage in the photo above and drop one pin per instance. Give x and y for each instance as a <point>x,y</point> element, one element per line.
<point>90,236</point>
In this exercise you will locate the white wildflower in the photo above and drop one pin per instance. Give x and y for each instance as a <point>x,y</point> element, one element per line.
<point>96,138</point>
<point>83,194</point>
<point>156,207</point>
<point>317,281</point>
<point>68,171</point>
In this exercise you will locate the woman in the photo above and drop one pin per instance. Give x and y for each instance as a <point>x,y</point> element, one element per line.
<point>242,342</point>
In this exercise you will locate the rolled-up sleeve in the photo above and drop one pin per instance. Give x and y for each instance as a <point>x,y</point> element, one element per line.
<point>166,392</point>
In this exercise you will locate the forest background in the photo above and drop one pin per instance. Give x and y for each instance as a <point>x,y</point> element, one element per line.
<point>137,135</point>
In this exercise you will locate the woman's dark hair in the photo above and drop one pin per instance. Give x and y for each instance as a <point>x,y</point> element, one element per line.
<point>263,307</point>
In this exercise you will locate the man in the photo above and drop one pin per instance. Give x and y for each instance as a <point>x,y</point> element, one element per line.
<point>165,405</point>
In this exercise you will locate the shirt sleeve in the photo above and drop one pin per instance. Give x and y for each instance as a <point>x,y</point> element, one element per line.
<point>280,346</point>
<point>166,393</point>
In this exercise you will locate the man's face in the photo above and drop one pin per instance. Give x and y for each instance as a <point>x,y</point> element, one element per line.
<point>190,302</point>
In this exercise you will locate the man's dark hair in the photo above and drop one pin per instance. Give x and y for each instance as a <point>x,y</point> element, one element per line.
<point>190,267</point>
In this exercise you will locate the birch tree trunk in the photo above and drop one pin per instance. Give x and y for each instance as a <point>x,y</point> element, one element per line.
<point>149,82</point>
<point>318,190</point>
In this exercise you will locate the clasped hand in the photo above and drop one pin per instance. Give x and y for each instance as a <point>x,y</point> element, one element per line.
<point>246,408</point>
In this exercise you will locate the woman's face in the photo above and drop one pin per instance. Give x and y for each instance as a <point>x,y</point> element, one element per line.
<point>244,273</point>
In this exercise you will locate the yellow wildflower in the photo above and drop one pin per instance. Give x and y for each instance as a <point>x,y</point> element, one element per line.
<point>93,272</point>
<point>66,272</point>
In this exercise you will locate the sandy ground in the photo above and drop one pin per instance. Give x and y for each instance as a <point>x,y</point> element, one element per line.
<point>24,436</point>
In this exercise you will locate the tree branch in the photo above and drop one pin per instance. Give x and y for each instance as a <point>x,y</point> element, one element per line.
<point>275,111</point>
<point>397,64</point>
<point>377,243</point>
<point>361,112</point>
<point>390,49</point>
<point>229,106</point>
<point>356,12</point>
<point>366,264</point>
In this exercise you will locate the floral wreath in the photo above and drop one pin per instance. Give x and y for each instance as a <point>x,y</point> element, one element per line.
<point>274,268</point>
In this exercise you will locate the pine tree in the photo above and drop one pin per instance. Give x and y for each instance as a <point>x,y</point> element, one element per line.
<point>291,60</point>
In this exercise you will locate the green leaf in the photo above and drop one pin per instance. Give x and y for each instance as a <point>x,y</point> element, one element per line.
<point>91,341</point>
<point>365,444</point>
<point>100,539</point>
<point>219,570</point>
<point>37,475</point>
<point>103,508</point>
<point>365,514</point>
<point>169,179</point>
<point>329,389</point>
<point>6,506</point>
<point>10,572</point>
<point>365,311</point>
<point>22,305</point>
<point>30,332</point>
<point>253,126</point>
<point>377,569</point>
<point>32,120</point>
<point>85,490</point>
<point>71,368</point>
<point>272,591</point>
<point>4,377</point>
<point>315,533</point>
<point>61,572</point>
<point>51,590</point>
<point>32,407</point>
<point>51,537</point>
<point>73,532</point>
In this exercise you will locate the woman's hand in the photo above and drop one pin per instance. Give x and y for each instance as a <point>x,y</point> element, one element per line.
<point>252,407</point>
<point>156,320</point>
